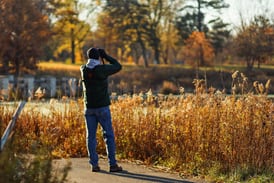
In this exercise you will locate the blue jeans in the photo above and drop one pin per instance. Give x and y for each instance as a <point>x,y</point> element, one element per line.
<point>92,118</point>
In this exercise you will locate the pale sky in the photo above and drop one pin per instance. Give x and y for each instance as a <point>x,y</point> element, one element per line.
<point>245,8</point>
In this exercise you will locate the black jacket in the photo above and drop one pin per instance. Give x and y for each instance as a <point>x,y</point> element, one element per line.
<point>95,82</point>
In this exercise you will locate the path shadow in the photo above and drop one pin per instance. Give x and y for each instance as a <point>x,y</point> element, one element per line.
<point>149,178</point>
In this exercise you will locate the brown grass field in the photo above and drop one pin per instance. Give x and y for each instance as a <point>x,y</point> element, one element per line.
<point>225,138</point>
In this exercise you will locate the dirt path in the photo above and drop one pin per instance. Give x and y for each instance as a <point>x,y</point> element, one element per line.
<point>133,173</point>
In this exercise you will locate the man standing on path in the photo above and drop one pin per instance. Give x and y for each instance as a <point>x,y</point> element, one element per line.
<point>96,98</point>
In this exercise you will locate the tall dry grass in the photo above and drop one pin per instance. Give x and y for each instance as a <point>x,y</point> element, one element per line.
<point>24,158</point>
<point>198,133</point>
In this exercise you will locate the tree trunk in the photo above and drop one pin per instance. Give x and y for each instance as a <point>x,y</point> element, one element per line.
<point>17,67</point>
<point>143,49</point>
<point>249,64</point>
<point>5,65</point>
<point>199,16</point>
<point>201,56</point>
<point>72,46</point>
<point>156,54</point>
<point>144,54</point>
<point>165,56</point>
<point>166,51</point>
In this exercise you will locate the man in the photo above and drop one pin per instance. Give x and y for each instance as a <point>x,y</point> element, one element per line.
<point>96,98</point>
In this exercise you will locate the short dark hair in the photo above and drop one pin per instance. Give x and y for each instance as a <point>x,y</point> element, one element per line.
<point>93,53</point>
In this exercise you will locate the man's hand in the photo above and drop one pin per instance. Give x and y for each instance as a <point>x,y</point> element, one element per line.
<point>102,53</point>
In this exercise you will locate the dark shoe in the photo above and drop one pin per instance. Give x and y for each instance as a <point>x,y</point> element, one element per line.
<point>115,168</point>
<point>95,168</point>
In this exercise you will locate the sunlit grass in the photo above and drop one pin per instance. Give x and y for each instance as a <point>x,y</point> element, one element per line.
<point>25,158</point>
<point>201,134</point>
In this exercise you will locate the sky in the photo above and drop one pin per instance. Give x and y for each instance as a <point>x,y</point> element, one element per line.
<point>246,9</point>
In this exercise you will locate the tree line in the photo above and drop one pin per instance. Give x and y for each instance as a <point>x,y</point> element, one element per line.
<point>138,31</point>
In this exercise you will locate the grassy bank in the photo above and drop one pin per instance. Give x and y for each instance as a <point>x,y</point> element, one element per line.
<point>166,78</point>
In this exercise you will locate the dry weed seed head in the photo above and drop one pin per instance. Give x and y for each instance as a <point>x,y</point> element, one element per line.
<point>234,88</point>
<point>235,74</point>
<point>199,86</point>
<point>261,88</point>
<point>267,85</point>
<point>255,84</point>
<point>211,90</point>
<point>182,90</point>
<point>218,93</point>
<point>245,79</point>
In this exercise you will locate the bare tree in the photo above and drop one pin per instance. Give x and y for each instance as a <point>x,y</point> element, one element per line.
<point>254,42</point>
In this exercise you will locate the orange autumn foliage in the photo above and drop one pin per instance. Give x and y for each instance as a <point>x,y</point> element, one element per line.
<point>198,51</point>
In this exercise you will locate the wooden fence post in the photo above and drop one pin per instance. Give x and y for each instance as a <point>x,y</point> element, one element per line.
<point>11,125</point>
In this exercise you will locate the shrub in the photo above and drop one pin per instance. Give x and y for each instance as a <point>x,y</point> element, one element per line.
<point>168,88</point>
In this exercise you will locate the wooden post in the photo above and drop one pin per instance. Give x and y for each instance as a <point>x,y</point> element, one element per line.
<point>11,125</point>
